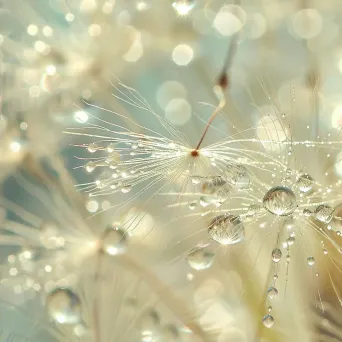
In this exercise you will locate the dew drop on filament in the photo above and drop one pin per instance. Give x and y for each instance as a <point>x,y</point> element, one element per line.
<point>276,255</point>
<point>200,259</point>
<point>64,306</point>
<point>280,201</point>
<point>227,230</point>
<point>268,321</point>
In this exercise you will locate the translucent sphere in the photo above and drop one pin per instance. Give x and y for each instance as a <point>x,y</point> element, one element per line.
<point>227,230</point>
<point>276,255</point>
<point>200,259</point>
<point>311,261</point>
<point>280,201</point>
<point>272,292</point>
<point>64,306</point>
<point>268,321</point>
<point>336,222</point>
<point>114,241</point>
<point>324,213</point>
<point>305,182</point>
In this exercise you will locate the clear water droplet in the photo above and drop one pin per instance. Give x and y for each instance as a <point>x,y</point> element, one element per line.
<point>324,213</point>
<point>276,255</point>
<point>64,306</point>
<point>200,259</point>
<point>192,205</point>
<point>268,321</point>
<point>311,261</point>
<point>114,241</point>
<point>305,182</point>
<point>90,166</point>
<point>111,147</point>
<point>227,230</point>
<point>272,292</point>
<point>93,147</point>
<point>280,201</point>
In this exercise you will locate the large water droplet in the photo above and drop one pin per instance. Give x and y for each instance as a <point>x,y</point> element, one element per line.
<point>276,255</point>
<point>114,241</point>
<point>324,213</point>
<point>227,229</point>
<point>200,259</point>
<point>268,321</point>
<point>64,306</point>
<point>305,182</point>
<point>280,201</point>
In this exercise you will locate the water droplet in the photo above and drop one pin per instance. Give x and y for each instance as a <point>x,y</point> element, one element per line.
<point>134,146</point>
<point>324,213</point>
<point>90,166</point>
<point>276,255</point>
<point>227,229</point>
<point>268,321</point>
<point>114,241</point>
<point>291,240</point>
<point>192,205</point>
<point>305,182</point>
<point>272,292</point>
<point>311,261</point>
<point>200,259</point>
<point>93,147</point>
<point>111,147</point>
<point>64,306</point>
<point>205,201</point>
<point>280,201</point>
<point>126,188</point>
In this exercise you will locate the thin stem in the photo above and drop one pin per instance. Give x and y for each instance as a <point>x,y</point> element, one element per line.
<point>211,119</point>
